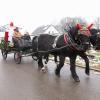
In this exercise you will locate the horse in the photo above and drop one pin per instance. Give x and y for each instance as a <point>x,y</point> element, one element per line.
<point>94,40</point>
<point>74,43</point>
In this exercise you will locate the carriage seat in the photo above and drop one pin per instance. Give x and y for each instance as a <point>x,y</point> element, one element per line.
<point>27,40</point>
<point>22,42</point>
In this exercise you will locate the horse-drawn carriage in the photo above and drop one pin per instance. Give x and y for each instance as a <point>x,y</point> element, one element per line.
<point>75,42</point>
<point>24,47</point>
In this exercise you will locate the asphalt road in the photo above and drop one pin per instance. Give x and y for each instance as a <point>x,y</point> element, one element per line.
<point>25,82</point>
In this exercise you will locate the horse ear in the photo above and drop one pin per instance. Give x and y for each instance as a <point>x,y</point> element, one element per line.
<point>79,26</point>
<point>90,26</point>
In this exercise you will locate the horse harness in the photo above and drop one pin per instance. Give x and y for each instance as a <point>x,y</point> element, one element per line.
<point>69,42</point>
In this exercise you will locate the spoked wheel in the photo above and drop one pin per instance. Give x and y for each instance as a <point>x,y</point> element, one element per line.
<point>35,58</point>
<point>17,57</point>
<point>4,54</point>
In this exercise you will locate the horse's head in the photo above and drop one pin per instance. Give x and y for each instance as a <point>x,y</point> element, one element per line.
<point>82,36</point>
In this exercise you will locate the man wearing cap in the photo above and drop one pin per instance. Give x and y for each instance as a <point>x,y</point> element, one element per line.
<point>16,36</point>
<point>16,33</point>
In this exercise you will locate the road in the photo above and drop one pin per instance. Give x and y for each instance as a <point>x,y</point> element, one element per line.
<point>25,82</point>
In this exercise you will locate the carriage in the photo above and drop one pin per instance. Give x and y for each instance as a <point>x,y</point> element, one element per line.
<point>23,50</point>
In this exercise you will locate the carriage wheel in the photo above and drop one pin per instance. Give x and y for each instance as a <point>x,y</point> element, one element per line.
<point>35,58</point>
<point>17,57</point>
<point>4,54</point>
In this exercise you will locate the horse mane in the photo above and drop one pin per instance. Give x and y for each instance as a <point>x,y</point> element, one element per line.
<point>73,32</point>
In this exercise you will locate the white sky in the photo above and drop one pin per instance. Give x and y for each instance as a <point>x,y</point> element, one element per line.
<point>29,14</point>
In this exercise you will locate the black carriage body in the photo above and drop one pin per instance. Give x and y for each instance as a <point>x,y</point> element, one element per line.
<point>22,49</point>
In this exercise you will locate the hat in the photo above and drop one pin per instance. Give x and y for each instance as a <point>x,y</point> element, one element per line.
<point>16,29</point>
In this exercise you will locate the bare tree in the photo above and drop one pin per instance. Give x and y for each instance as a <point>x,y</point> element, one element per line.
<point>68,22</point>
<point>97,23</point>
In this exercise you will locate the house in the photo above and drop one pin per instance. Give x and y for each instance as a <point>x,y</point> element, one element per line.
<point>49,29</point>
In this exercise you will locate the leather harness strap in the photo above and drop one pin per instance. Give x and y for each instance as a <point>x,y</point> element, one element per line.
<point>65,38</point>
<point>55,41</point>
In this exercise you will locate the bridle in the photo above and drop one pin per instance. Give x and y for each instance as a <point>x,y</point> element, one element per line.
<point>71,43</point>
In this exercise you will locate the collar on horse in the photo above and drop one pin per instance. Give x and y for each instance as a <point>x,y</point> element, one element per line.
<point>71,43</point>
<point>65,39</point>
<point>68,42</point>
<point>56,39</point>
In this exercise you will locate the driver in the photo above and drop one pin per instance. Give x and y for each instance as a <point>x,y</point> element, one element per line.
<point>16,36</point>
<point>16,33</point>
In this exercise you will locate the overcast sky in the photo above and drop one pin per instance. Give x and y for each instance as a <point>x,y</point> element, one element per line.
<point>30,14</point>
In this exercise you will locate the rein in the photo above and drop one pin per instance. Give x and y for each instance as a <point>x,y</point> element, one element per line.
<point>71,44</point>
<point>55,49</point>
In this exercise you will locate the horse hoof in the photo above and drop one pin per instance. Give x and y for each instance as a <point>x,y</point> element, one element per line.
<point>77,79</point>
<point>87,73</point>
<point>44,70</point>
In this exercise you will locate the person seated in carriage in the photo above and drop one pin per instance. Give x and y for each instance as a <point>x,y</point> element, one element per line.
<point>27,39</point>
<point>16,36</point>
<point>20,40</point>
<point>27,36</point>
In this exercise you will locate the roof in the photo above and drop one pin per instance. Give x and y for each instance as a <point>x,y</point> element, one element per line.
<point>49,29</point>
